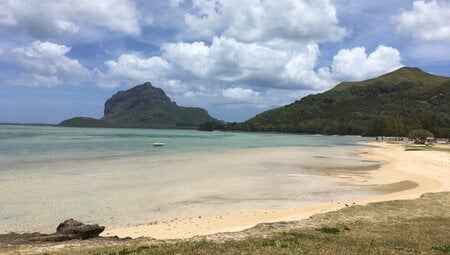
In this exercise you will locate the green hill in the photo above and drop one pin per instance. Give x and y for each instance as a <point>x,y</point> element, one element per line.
<point>392,104</point>
<point>144,106</point>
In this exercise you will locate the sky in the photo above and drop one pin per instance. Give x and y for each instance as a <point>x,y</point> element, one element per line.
<point>63,58</point>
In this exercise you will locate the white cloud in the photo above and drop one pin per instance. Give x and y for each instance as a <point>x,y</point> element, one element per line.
<point>259,44</point>
<point>1,51</point>
<point>46,64</point>
<point>300,69</point>
<point>227,60</point>
<point>354,64</point>
<point>130,69</point>
<point>48,19</point>
<point>241,94</point>
<point>193,57</point>
<point>428,21</point>
<point>254,20</point>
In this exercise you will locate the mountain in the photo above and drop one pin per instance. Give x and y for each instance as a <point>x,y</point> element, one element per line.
<point>144,106</point>
<point>392,104</point>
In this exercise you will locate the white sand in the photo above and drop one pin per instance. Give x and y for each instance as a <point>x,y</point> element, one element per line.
<point>430,170</point>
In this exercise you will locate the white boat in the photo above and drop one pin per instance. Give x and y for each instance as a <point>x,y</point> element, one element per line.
<point>158,144</point>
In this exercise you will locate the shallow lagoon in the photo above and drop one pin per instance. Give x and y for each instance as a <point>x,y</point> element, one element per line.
<point>117,178</point>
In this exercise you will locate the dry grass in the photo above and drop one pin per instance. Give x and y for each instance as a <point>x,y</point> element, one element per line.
<point>420,235</point>
<point>420,226</point>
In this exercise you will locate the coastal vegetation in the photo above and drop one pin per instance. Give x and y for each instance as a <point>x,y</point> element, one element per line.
<point>86,122</point>
<point>420,135</point>
<point>211,126</point>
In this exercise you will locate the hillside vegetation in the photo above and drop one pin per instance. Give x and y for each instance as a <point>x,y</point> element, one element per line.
<point>392,104</point>
<point>86,122</point>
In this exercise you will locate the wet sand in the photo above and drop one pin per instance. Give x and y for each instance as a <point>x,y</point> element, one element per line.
<point>391,173</point>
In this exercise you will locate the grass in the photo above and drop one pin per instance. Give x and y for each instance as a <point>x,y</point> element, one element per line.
<point>329,230</point>
<point>420,235</point>
<point>442,248</point>
<point>419,226</point>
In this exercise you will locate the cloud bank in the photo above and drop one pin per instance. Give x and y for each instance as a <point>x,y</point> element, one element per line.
<point>429,21</point>
<point>354,64</point>
<point>46,64</point>
<point>48,19</point>
<point>265,21</point>
<point>238,52</point>
<point>227,53</point>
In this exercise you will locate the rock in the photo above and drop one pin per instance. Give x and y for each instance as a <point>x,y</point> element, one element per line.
<point>68,230</point>
<point>79,230</point>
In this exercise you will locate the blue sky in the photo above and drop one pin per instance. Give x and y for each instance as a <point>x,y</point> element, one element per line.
<point>60,59</point>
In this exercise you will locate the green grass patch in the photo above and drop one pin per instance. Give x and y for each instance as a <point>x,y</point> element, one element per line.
<point>442,248</point>
<point>127,251</point>
<point>329,230</point>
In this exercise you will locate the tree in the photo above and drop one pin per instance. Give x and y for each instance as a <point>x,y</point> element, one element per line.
<point>377,127</point>
<point>445,133</point>
<point>395,128</point>
<point>420,135</point>
<point>211,126</point>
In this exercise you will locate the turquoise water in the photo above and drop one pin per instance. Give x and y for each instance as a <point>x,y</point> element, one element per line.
<point>46,143</point>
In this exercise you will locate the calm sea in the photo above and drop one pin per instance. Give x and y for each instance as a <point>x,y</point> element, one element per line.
<point>37,143</point>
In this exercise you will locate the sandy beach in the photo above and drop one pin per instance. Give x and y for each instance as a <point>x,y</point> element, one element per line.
<point>398,174</point>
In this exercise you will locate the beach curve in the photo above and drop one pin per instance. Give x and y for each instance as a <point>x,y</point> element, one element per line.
<point>403,175</point>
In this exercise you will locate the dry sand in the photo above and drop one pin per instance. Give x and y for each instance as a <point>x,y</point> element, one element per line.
<point>405,175</point>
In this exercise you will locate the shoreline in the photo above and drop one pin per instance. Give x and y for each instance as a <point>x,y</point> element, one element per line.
<point>404,175</point>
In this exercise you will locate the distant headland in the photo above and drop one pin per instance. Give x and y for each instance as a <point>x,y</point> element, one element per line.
<point>144,106</point>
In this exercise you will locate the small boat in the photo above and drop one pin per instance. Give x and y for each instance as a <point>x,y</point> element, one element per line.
<point>158,144</point>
